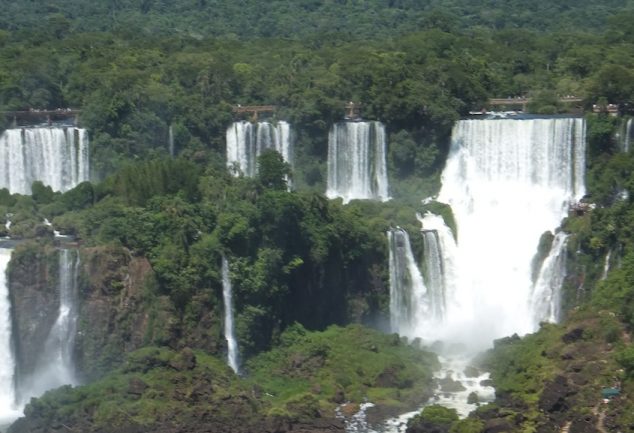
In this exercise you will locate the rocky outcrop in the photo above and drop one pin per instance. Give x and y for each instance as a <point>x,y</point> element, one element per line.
<point>115,315</point>
<point>118,310</point>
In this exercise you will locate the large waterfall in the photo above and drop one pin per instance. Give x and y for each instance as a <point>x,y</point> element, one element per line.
<point>233,356</point>
<point>8,409</point>
<point>357,161</point>
<point>246,141</point>
<point>55,364</point>
<point>58,157</point>
<point>507,181</point>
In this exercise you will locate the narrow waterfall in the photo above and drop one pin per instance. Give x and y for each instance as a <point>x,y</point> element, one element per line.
<point>507,181</point>
<point>546,295</point>
<point>357,161</point>
<point>626,135</point>
<point>606,265</point>
<point>170,140</point>
<point>55,366</point>
<point>8,409</point>
<point>233,356</point>
<point>409,299</point>
<point>58,157</point>
<point>246,141</point>
<point>434,273</point>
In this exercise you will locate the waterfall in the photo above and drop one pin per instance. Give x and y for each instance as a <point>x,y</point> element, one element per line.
<point>58,157</point>
<point>606,265</point>
<point>434,273</point>
<point>507,181</point>
<point>233,356</point>
<point>246,141</point>
<point>55,366</point>
<point>546,294</point>
<point>170,141</point>
<point>626,139</point>
<point>357,161</point>
<point>8,409</point>
<point>408,294</point>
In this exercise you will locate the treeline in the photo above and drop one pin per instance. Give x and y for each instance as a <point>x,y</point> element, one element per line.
<point>133,86</point>
<point>349,19</point>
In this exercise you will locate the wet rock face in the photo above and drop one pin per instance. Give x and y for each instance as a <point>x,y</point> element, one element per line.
<point>34,301</point>
<point>113,319</point>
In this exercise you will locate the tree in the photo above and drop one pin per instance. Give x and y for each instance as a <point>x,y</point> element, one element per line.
<point>273,171</point>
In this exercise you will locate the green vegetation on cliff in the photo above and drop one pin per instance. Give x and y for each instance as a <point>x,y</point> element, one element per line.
<point>300,382</point>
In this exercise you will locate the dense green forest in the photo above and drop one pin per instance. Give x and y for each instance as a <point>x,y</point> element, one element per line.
<point>348,19</point>
<point>300,262</point>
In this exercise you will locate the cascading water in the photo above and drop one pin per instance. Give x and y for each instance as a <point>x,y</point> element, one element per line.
<point>58,157</point>
<point>507,182</point>
<point>606,265</point>
<point>357,161</point>
<point>546,296</point>
<point>8,409</point>
<point>408,293</point>
<point>233,356</point>
<point>246,141</point>
<point>626,139</point>
<point>55,366</point>
<point>434,274</point>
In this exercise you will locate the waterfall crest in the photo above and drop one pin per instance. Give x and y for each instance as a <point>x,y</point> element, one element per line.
<point>233,356</point>
<point>507,181</point>
<point>8,409</point>
<point>58,157</point>
<point>357,166</point>
<point>55,366</point>
<point>246,141</point>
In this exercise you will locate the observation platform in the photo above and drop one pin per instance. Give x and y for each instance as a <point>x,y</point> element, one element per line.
<point>254,110</point>
<point>523,101</point>
<point>33,116</point>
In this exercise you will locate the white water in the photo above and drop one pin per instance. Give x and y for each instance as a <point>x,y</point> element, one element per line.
<point>507,181</point>
<point>246,141</point>
<point>358,422</point>
<point>408,293</point>
<point>233,356</point>
<point>606,265</point>
<point>8,408</point>
<point>357,161</point>
<point>55,366</point>
<point>434,271</point>
<point>546,296</point>
<point>58,157</point>
<point>627,135</point>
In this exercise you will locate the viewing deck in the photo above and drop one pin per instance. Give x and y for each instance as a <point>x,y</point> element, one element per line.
<point>524,101</point>
<point>254,110</point>
<point>48,116</point>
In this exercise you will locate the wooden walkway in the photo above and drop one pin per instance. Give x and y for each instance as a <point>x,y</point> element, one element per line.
<point>49,116</point>
<point>524,101</point>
